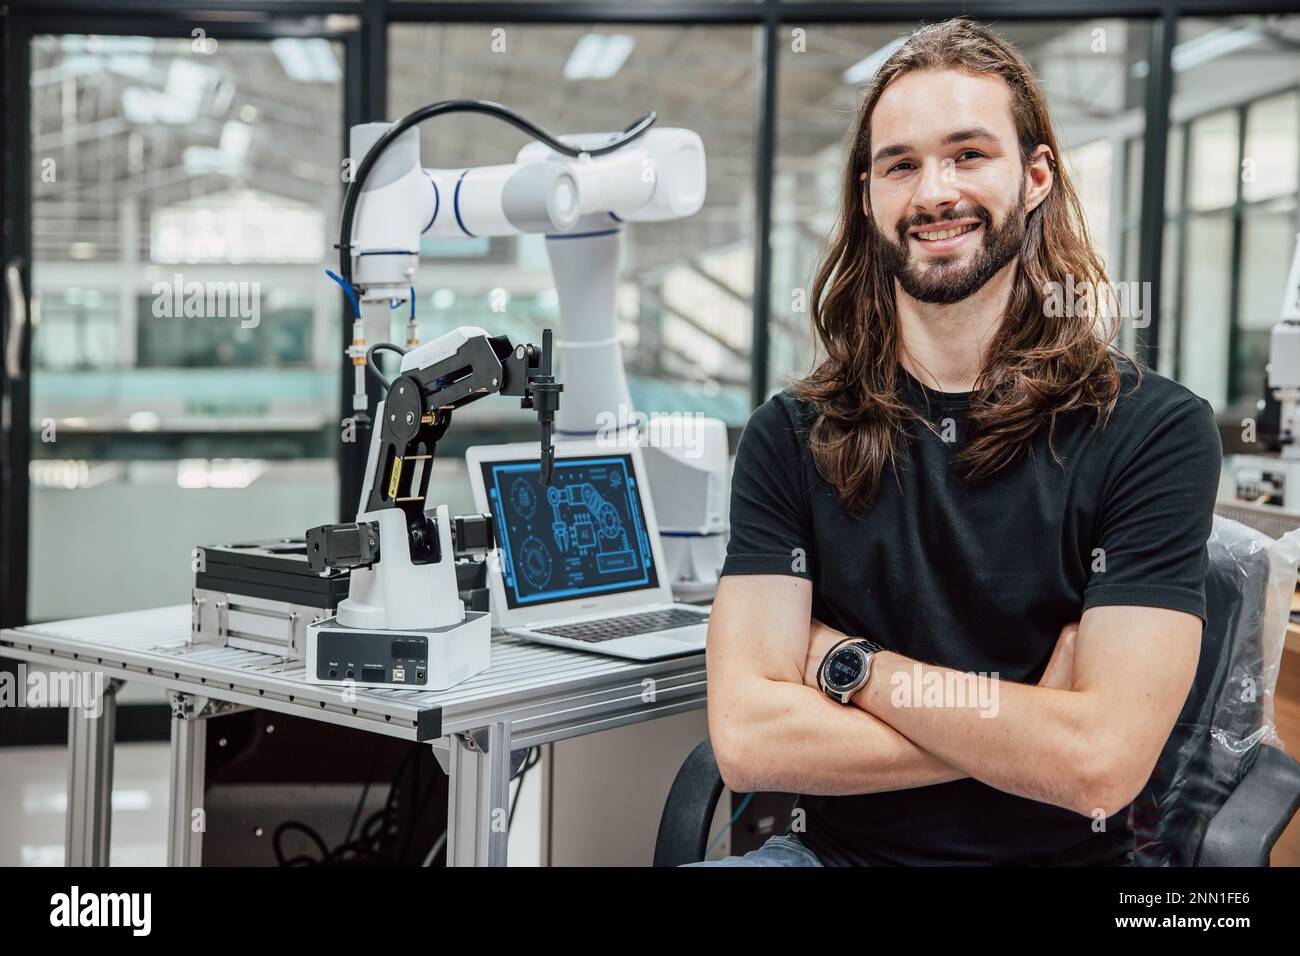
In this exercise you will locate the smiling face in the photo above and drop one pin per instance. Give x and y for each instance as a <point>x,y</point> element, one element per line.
<point>946,183</point>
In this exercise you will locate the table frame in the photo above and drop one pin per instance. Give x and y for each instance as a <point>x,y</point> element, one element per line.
<point>531,695</point>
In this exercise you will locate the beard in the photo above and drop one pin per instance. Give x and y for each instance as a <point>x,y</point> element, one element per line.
<point>948,280</point>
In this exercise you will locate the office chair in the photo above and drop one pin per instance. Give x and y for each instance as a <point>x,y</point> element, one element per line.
<point>1217,797</point>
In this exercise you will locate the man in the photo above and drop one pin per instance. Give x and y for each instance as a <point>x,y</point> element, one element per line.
<point>974,480</point>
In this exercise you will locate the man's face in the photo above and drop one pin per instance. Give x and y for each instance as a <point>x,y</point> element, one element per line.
<point>946,190</point>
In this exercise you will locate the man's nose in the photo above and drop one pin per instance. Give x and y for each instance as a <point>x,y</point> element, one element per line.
<point>936,187</point>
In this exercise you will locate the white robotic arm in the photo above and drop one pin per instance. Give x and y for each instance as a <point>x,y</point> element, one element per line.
<point>659,176</point>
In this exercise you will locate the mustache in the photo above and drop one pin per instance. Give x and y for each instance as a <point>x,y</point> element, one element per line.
<point>975,212</point>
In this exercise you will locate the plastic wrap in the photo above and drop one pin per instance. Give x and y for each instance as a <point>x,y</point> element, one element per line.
<point>1229,710</point>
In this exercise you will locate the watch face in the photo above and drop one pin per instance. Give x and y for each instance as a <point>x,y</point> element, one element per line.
<point>844,669</point>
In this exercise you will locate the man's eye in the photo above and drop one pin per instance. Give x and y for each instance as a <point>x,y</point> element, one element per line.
<point>971,152</point>
<point>897,166</point>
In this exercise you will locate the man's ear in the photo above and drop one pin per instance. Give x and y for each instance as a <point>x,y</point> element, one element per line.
<point>866,209</point>
<point>1040,172</point>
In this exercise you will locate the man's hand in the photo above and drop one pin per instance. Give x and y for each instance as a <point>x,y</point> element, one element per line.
<point>821,638</point>
<point>1060,668</point>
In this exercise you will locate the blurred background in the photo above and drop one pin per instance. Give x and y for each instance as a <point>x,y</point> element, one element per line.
<point>206,139</point>
<point>149,138</point>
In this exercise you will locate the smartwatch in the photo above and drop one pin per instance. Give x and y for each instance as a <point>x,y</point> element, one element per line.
<point>846,668</point>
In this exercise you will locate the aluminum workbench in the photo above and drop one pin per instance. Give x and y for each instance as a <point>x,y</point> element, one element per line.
<point>531,695</point>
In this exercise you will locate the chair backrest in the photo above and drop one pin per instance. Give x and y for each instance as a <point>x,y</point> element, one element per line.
<point>1213,744</point>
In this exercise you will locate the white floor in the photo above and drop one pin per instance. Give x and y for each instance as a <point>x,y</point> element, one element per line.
<point>34,782</point>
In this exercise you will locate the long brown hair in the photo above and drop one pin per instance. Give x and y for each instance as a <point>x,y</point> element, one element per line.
<point>1038,366</point>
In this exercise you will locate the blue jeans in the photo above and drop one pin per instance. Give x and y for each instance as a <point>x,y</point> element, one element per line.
<point>784,850</point>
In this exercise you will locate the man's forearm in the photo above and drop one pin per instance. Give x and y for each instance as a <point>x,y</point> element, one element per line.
<point>1022,739</point>
<point>791,738</point>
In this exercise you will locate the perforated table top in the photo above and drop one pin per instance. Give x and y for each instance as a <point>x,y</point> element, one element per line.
<point>545,693</point>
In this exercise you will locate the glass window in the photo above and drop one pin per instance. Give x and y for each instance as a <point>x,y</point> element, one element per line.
<point>78,330</point>
<point>1174,149</point>
<point>1246,174</point>
<point>1270,164</point>
<point>278,334</point>
<point>1212,165</point>
<point>185,386</point>
<point>1268,240</point>
<point>1207,286</point>
<point>1166,359</point>
<point>1091,167</point>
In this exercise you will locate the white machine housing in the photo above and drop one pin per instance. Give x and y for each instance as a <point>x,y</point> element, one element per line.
<point>687,460</point>
<point>456,653</point>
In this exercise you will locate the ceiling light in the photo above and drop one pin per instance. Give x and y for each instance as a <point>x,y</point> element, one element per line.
<point>866,68</point>
<point>1203,49</point>
<point>598,56</point>
<point>307,60</point>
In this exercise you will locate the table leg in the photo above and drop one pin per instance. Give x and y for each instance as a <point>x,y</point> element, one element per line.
<point>90,780</point>
<point>186,821</point>
<point>478,803</point>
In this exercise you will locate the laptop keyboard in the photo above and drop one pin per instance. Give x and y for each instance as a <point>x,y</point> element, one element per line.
<point>611,628</point>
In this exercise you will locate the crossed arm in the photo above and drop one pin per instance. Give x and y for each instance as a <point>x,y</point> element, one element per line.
<point>1086,737</point>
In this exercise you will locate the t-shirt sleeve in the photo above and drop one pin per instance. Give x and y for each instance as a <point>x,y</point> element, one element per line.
<point>770,518</point>
<point>1156,517</point>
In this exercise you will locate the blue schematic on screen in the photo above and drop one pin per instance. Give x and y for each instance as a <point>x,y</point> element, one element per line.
<point>583,534</point>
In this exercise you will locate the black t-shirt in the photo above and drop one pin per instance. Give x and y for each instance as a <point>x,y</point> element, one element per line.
<point>981,577</point>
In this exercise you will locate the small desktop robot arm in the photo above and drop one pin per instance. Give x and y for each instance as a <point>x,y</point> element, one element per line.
<point>403,622</point>
<point>454,370</point>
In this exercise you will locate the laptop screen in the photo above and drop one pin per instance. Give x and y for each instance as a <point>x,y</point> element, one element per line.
<point>582,535</point>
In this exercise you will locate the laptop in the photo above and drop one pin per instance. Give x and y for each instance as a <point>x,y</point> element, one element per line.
<point>579,561</point>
